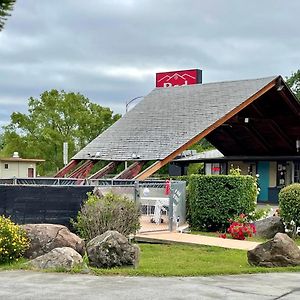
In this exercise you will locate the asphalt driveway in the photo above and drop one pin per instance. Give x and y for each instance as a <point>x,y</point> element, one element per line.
<point>34,285</point>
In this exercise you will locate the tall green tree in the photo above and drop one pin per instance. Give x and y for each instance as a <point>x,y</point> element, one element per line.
<point>6,6</point>
<point>52,119</point>
<point>294,83</point>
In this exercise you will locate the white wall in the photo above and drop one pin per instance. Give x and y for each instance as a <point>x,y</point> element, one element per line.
<point>16,169</point>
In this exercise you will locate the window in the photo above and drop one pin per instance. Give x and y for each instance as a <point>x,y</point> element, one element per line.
<point>296,171</point>
<point>5,166</point>
<point>281,173</point>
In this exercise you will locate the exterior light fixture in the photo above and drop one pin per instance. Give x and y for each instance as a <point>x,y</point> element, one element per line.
<point>246,120</point>
<point>298,145</point>
<point>130,101</point>
<point>134,156</point>
<point>280,87</point>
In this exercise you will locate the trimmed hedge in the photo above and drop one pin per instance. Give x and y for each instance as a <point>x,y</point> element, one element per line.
<point>289,204</point>
<point>214,199</point>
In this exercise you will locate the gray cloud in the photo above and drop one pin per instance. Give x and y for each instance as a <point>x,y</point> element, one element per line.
<point>110,50</point>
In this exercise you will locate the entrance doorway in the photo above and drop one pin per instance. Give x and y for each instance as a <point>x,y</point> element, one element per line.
<point>30,172</point>
<point>263,181</point>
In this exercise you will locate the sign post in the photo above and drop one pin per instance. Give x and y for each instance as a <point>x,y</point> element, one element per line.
<point>65,153</point>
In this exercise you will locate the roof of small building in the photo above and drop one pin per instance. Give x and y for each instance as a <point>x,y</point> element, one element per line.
<point>18,159</point>
<point>168,118</point>
<point>205,155</point>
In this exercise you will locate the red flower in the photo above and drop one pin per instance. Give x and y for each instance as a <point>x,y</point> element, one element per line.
<point>223,236</point>
<point>241,230</point>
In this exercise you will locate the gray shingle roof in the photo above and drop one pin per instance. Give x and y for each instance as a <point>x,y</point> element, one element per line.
<point>214,153</point>
<point>168,118</point>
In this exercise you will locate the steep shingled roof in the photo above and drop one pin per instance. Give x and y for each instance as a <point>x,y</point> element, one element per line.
<point>168,118</point>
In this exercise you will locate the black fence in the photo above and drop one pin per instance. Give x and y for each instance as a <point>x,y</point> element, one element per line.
<point>57,200</point>
<point>42,204</point>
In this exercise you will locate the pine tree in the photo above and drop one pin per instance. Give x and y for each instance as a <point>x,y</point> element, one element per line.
<point>5,7</point>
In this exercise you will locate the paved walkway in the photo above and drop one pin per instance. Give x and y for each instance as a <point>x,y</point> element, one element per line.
<point>174,237</point>
<point>27,285</point>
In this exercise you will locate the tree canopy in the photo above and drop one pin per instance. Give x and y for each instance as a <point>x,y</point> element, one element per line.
<point>54,118</point>
<point>5,7</point>
<point>294,83</point>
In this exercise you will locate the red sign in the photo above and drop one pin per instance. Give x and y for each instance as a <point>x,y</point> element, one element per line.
<point>176,78</point>
<point>216,169</point>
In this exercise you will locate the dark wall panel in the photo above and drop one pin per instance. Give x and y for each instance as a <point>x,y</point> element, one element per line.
<point>42,204</point>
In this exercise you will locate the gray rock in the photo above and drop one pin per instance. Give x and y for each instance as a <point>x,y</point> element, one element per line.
<point>281,251</point>
<point>45,237</point>
<point>267,228</point>
<point>112,249</point>
<point>64,257</point>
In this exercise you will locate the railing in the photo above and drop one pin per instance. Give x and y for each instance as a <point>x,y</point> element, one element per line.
<point>76,181</point>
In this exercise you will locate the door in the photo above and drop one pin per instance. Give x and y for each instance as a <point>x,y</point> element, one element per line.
<point>263,168</point>
<point>30,172</point>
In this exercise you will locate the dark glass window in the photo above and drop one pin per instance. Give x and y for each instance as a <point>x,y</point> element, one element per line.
<point>296,171</point>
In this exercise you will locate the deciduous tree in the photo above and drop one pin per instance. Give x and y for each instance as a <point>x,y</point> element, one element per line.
<point>294,83</point>
<point>52,119</point>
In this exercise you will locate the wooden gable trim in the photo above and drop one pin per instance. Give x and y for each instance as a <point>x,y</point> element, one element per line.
<point>159,164</point>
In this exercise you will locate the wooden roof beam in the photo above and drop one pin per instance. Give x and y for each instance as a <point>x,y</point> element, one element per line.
<point>131,171</point>
<point>227,130</point>
<point>69,167</point>
<point>80,169</point>
<point>258,137</point>
<point>291,104</point>
<point>105,170</point>
<point>150,170</point>
<point>85,172</point>
<point>275,127</point>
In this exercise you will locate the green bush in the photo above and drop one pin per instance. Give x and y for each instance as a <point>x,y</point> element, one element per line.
<point>289,204</point>
<point>13,240</point>
<point>215,199</point>
<point>109,212</point>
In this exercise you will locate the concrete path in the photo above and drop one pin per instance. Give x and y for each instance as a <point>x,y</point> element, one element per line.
<point>27,285</point>
<point>174,237</point>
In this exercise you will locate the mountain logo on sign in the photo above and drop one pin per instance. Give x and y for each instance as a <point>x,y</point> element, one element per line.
<point>176,76</point>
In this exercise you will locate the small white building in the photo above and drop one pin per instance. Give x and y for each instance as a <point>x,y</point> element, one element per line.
<point>18,167</point>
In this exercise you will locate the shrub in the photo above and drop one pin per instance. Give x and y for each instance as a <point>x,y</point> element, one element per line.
<point>109,212</point>
<point>289,204</point>
<point>13,240</point>
<point>214,199</point>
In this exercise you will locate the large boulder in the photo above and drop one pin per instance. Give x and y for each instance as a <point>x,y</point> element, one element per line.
<point>268,227</point>
<point>45,237</point>
<point>64,257</point>
<point>281,251</point>
<point>112,249</point>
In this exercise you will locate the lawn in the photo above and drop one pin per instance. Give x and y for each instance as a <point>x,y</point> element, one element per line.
<point>183,260</point>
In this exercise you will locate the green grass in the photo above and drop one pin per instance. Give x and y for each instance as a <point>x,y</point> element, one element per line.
<point>181,260</point>
<point>15,265</point>
<point>186,260</point>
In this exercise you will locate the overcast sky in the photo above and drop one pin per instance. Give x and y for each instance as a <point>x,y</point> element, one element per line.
<point>110,50</point>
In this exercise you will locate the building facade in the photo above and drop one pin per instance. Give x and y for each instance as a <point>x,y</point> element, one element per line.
<point>18,167</point>
<point>274,172</point>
